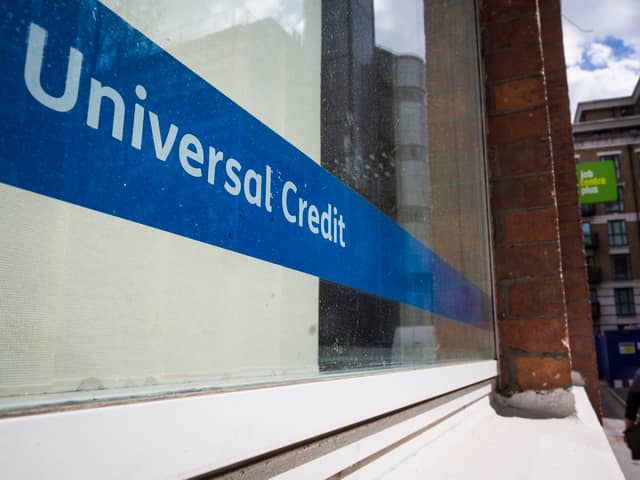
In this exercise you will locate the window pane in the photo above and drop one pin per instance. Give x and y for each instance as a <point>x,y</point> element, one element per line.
<point>230,192</point>
<point>621,267</point>
<point>616,163</point>
<point>617,206</point>
<point>625,304</point>
<point>617,232</point>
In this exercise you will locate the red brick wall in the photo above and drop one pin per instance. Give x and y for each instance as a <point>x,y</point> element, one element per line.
<point>541,285</point>
<point>576,288</point>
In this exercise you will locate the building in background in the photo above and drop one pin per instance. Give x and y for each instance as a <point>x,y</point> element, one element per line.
<point>609,129</point>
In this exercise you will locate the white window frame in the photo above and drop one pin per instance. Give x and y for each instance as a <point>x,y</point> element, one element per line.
<point>182,437</point>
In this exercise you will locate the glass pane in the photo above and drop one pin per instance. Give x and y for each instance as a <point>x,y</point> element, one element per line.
<point>617,206</point>
<point>212,193</point>
<point>616,163</point>
<point>621,267</point>
<point>617,232</point>
<point>625,304</point>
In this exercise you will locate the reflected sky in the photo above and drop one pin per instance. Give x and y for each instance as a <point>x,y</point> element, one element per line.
<point>184,21</point>
<point>399,26</point>
<point>288,13</point>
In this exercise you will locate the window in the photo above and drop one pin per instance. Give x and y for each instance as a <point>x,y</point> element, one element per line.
<point>586,230</point>
<point>595,304</point>
<point>324,220</point>
<point>589,237</point>
<point>587,209</point>
<point>594,272</point>
<point>621,267</point>
<point>617,206</point>
<point>615,158</point>
<point>617,233</point>
<point>625,304</point>
<point>284,193</point>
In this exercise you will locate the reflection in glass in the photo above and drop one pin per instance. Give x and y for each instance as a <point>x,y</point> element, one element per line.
<point>383,94</point>
<point>379,102</point>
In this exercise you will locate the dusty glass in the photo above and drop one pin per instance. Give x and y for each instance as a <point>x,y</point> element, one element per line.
<point>211,193</point>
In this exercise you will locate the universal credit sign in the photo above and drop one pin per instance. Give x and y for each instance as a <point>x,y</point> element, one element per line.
<point>133,133</point>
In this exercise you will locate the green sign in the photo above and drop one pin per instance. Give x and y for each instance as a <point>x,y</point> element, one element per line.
<point>597,182</point>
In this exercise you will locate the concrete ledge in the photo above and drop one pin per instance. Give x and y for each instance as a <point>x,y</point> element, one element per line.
<point>479,443</point>
<point>558,403</point>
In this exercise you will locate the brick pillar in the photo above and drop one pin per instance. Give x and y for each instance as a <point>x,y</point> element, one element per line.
<point>530,294</point>
<point>576,285</point>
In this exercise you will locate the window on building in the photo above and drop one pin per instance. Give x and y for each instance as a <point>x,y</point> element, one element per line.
<point>589,237</point>
<point>282,193</point>
<point>617,206</point>
<point>595,304</point>
<point>587,209</point>
<point>594,272</point>
<point>615,158</point>
<point>625,303</point>
<point>621,267</point>
<point>617,233</point>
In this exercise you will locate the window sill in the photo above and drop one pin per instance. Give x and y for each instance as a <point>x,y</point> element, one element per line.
<point>177,438</point>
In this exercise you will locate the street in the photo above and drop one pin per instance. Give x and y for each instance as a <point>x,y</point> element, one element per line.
<point>613,405</point>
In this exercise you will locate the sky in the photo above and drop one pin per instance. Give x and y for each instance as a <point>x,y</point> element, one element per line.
<point>400,30</point>
<point>601,47</point>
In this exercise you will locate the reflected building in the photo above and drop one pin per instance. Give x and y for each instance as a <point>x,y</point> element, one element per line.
<point>373,117</point>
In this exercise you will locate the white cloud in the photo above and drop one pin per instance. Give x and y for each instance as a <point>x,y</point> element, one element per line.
<point>600,54</point>
<point>595,69</point>
<point>400,30</point>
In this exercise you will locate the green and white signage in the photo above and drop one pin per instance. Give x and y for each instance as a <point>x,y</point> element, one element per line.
<point>597,182</point>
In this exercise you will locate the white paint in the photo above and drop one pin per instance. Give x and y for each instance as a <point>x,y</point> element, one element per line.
<point>606,124</point>
<point>602,219</point>
<point>618,250</point>
<point>334,462</point>
<point>33,72</point>
<point>182,437</point>
<point>477,443</point>
<point>607,142</point>
<point>606,288</point>
<point>610,152</point>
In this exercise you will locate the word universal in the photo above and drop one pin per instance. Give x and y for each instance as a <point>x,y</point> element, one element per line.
<point>209,163</point>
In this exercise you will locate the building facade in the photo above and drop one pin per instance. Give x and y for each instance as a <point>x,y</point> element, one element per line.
<point>609,129</point>
<point>265,238</point>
